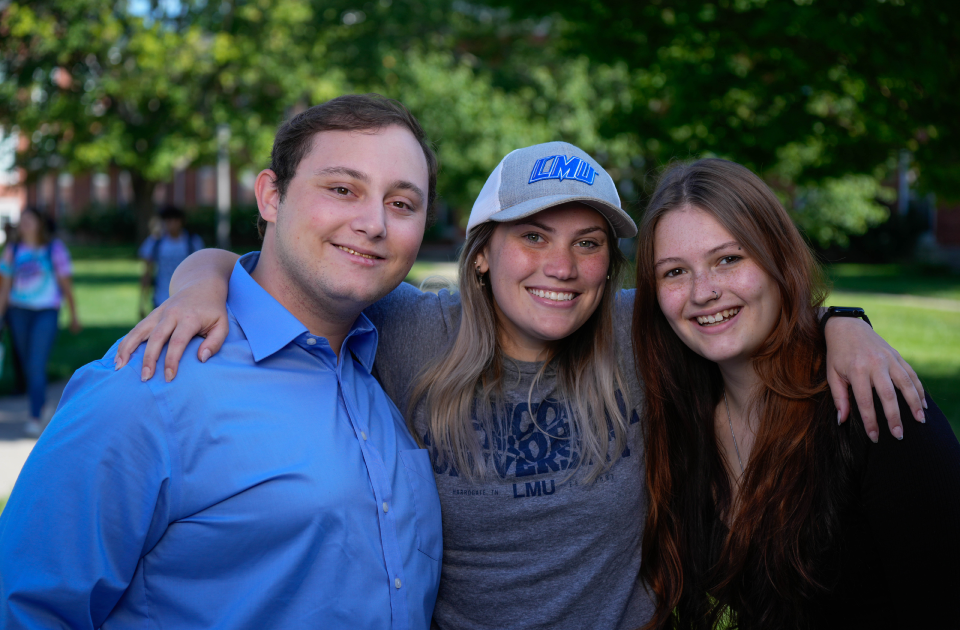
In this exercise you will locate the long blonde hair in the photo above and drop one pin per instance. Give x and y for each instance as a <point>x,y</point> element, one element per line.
<point>465,385</point>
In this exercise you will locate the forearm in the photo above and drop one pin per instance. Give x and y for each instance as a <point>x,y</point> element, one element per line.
<point>66,289</point>
<point>5,284</point>
<point>212,266</point>
<point>71,305</point>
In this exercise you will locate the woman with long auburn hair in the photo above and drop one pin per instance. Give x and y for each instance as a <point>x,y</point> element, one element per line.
<point>522,386</point>
<point>763,512</point>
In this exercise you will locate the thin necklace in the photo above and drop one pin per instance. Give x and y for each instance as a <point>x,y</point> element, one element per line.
<point>732,434</point>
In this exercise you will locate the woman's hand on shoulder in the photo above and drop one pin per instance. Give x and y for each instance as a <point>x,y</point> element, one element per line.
<point>858,358</point>
<point>194,311</point>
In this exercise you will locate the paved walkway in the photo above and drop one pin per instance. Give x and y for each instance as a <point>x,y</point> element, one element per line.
<point>14,445</point>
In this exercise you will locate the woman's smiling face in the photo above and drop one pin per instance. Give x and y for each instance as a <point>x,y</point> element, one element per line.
<point>718,300</point>
<point>547,273</point>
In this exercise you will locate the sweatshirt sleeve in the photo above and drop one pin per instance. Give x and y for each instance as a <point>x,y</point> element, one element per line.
<point>911,498</point>
<point>60,257</point>
<point>414,328</point>
<point>93,497</point>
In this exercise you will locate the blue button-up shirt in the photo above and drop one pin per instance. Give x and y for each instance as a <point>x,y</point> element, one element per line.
<point>272,487</point>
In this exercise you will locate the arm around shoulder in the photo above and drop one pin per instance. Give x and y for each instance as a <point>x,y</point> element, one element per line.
<point>197,306</point>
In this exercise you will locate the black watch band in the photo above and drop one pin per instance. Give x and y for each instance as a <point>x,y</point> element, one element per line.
<point>843,311</point>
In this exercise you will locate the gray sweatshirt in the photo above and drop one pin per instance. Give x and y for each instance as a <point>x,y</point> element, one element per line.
<point>536,547</point>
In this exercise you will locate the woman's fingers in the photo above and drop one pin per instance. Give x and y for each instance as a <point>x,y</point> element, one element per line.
<point>858,356</point>
<point>841,395</point>
<point>135,337</point>
<point>883,384</point>
<point>188,328</point>
<point>908,388</point>
<point>215,338</point>
<point>863,393</point>
<point>916,383</point>
<point>158,337</point>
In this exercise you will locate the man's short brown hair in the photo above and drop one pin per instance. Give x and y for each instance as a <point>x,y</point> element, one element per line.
<point>351,112</point>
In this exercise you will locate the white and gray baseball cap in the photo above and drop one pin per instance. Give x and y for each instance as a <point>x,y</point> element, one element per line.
<point>533,179</point>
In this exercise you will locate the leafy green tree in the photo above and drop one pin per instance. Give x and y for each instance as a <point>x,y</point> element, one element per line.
<point>93,84</point>
<point>801,91</point>
<point>818,97</point>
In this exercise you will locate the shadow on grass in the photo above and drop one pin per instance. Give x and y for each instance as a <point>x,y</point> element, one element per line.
<point>103,252</point>
<point>919,280</point>
<point>90,278</point>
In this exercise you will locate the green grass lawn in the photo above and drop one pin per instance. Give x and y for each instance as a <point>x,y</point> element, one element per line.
<point>929,339</point>
<point>926,331</point>
<point>921,280</point>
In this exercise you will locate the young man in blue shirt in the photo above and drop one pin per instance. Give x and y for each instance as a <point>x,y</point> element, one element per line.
<point>161,255</point>
<point>279,487</point>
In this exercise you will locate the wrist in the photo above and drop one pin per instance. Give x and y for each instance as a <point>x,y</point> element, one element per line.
<point>842,311</point>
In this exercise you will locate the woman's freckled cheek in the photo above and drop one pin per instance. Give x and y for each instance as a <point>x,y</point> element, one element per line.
<point>672,297</point>
<point>595,266</point>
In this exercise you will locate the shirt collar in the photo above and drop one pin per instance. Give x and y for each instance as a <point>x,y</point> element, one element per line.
<point>269,326</point>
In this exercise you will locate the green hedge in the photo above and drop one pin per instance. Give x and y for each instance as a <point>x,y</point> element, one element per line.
<point>115,225</point>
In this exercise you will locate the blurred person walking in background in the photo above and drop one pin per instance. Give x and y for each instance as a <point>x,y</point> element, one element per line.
<point>19,378</point>
<point>162,253</point>
<point>34,279</point>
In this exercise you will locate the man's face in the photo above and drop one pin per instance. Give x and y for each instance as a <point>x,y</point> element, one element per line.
<point>350,225</point>
<point>173,226</point>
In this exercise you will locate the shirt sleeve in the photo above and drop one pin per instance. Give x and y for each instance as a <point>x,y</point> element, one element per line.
<point>197,242</point>
<point>413,328</point>
<point>60,256</point>
<point>146,249</point>
<point>911,498</point>
<point>92,499</point>
<point>623,317</point>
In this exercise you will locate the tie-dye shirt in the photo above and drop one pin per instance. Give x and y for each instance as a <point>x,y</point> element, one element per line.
<point>35,273</point>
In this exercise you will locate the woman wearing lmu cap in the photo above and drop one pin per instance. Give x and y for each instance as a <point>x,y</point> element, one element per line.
<point>523,387</point>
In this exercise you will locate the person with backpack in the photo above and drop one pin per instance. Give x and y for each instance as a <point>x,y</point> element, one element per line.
<point>162,254</point>
<point>35,277</point>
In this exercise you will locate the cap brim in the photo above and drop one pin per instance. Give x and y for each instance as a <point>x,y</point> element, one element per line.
<point>623,226</point>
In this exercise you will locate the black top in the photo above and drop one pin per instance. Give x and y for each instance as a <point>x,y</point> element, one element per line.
<point>900,546</point>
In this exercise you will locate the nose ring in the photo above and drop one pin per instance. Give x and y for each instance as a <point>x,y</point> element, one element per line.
<point>715,295</point>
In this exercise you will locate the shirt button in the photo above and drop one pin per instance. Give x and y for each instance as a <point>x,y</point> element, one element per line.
<point>386,508</point>
<point>396,582</point>
<point>363,435</point>
<point>311,341</point>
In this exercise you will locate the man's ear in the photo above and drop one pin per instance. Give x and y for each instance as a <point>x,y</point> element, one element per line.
<point>268,197</point>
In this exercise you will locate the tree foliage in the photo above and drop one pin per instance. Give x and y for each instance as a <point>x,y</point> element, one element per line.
<point>849,80</point>
<point>818,97</point>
